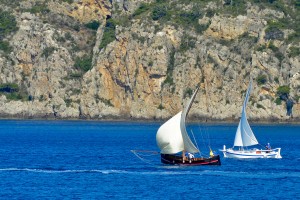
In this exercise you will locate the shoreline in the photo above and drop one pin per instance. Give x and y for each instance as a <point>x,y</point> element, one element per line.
<point>193,120</point>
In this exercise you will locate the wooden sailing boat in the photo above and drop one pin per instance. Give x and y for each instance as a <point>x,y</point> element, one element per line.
<point>174,141</point>
<point>245,137</point>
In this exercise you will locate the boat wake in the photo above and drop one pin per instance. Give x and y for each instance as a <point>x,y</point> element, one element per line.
<point>61,170</point>
<point>167,172</point>
<point>254,175</point>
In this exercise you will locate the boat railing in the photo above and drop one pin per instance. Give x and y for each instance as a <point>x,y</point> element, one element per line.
<point>268,150</point>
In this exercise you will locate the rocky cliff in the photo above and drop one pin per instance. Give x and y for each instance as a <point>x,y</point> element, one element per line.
<point>100,59</point>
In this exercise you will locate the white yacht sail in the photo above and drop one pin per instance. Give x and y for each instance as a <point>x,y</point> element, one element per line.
<point>244,135</point>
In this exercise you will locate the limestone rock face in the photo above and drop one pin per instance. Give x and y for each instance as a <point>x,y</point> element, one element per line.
<point>84,10</point>
<point>129,6</point>
<point>149,68</point>
<point>231,28</point>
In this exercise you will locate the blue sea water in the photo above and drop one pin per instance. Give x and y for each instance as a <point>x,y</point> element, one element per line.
<point>92,160</point>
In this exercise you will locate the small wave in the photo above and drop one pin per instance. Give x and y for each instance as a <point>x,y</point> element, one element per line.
<point>172,172</point>
<point>62,170</point>
<point>237,174</point>
<point>111,171</point>
<point>254,175</point>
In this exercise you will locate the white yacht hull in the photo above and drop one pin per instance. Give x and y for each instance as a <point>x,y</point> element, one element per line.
<point>253,153</point>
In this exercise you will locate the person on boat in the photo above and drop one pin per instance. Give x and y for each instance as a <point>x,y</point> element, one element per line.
<point>268,146</point>
<point>185,156</point>
<point>191,156</point>
<point>211,153</point>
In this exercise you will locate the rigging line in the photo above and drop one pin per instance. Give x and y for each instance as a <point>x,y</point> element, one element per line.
<point>254,140</point>
<point>196,142</point>
<point>202,138</point>
<point>142,159</point>
<point>261,145</point>
<point>208,139</point>
<point>204,142</point>
<point>146,151</point>
<point>207,143</point>
<point>208,135</point>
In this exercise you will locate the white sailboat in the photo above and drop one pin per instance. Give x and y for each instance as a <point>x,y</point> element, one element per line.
<point>174,141</point>
<point>245,138</point>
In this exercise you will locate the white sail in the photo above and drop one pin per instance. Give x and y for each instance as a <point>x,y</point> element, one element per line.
<point>169,137</point>
<point>172,136</point>
<point>188,144</point>
<point>244,135</point>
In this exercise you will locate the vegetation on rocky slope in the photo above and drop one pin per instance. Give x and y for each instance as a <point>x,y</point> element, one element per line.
<point>93,59</point>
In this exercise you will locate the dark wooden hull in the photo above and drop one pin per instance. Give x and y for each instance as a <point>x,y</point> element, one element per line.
<point>178,160</point>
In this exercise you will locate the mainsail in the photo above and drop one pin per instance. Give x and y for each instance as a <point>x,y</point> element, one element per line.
<point>169,137</point>
<point>244,135</point>
<point>172,136</point>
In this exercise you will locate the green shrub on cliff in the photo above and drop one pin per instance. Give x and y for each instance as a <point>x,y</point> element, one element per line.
<point>261,79</point>
<point>189,17</point>
<point>10,3</point>
<point>168,80</point>
<point>94,25</point>
<point>84,63</point>
<point>283,91</point>
<point>188,93</point>
<point>67,1</point>
<point>275,50</point>
<point>48,51</point>
<point>187,42</point>
<point>12,91</point>
<point>39,7</point>
<point>9,87</point>
<point>273,33</point>
<point>8,24</point>
<point>4,46</point>
<point>294,36</point>
<point>278,101</point>
<point>14,96</point>
<point>294,51</point>
<point>159,12</point>
<point>160,107</point>
<point>144,7</point>
<point>108,33</point>
<point>107,102</point>
<point>234,7</point>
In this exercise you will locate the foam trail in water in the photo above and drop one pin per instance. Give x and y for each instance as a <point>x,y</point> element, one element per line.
<point>62,171</point>
<point>166,172</point>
